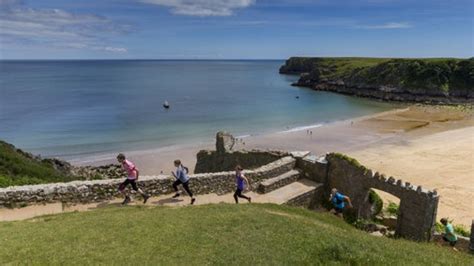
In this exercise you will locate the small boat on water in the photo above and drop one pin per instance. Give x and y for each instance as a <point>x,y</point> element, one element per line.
<point>166,105</point>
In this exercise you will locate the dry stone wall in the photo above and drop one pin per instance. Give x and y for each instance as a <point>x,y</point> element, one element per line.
<point>313,168</point>
<point>214,161</point>
<point>418,206</point>
<point>101,190</point>
<point>311,199</point>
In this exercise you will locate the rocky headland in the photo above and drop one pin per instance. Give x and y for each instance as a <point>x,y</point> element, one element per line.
<point>18,167</point>
<point>435,80</point>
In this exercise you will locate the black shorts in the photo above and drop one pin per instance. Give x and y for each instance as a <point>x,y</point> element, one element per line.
<point>338,210</point>
<point>452,243</point>
<point>238,192</point>
<point>128,181</point>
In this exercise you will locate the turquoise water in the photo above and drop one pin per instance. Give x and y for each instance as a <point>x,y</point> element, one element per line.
<point>70,109</point>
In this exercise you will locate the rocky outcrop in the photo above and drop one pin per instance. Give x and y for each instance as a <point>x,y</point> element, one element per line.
<point>18,167</point>
<point>449,81</point>
<point>224,142</point>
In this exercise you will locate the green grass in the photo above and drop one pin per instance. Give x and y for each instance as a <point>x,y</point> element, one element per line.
<point>20,168</point>
<point>222,234</point>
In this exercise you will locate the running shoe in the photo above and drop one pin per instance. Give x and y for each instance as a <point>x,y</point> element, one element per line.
<point>145,198</point>
<point>126,200</point>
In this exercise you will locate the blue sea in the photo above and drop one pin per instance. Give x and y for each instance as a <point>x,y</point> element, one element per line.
<point>72,109</point>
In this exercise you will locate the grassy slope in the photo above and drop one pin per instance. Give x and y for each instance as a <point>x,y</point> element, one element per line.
<point>17,168</point>
<point>215,234</point>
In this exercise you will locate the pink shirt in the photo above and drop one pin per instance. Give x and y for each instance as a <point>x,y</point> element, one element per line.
<point>130,168</point>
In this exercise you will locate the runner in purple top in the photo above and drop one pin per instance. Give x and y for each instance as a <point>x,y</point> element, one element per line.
<point>239,180</point>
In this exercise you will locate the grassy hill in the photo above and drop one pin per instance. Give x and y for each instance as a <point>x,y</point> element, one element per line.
<point>433,77</point>
<point>209,234</point>
<point>21,168</point>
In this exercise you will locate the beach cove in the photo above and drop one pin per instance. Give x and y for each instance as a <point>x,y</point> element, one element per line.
<point>427,145</point>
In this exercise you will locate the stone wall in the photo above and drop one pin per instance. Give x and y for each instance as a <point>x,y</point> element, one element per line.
<point>418,207</point>
<point>471,246</point>
<point>101,190</point>
<point>214,161</point>
<point>313,168</point>
<point>311,200</point>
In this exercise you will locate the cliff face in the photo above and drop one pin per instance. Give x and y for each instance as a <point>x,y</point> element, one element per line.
<point>419,80</point>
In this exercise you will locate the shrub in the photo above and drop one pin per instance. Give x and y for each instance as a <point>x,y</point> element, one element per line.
<point>376,202</point>
<point>459,229</point>
<point>392,208</point>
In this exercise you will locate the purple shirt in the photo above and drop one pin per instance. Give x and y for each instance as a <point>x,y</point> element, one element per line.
<point>239,181</point>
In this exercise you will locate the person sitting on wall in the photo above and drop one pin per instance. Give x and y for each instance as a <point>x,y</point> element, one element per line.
<point>449,235</point>
<point>337,200</point>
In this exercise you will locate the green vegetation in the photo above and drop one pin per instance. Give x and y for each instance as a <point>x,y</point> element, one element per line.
<point>327,66</point>
<point>350,160</point>
<point>376,201</point>
<point>392,208</point>
<point>20,168</point>
<point>431,76</point>
<point>223,234</point>
<point>459,229</point>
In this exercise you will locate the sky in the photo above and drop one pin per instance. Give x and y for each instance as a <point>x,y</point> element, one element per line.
<point>234,29</point>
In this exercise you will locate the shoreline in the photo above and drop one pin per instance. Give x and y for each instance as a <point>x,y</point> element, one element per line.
<point>101,158</point>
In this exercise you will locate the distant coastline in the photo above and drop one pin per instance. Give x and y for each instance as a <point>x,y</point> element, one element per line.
<point>430,80</point>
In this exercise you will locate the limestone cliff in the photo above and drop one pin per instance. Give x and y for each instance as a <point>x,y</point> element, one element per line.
<point>436,80</point>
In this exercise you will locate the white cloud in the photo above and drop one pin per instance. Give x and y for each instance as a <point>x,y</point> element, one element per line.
<point>391,25</point>
<point>56,28</point>
<point>115,49</point>
<point>202,8</point>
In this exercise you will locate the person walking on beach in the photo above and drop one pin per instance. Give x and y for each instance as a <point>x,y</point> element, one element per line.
<point>337,200</point>
<point>449,235</point>
<point>182,177</point>
<point>239,180</point>
<point>132,176</point>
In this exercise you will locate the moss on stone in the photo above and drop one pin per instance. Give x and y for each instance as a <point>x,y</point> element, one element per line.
<point>350,160</point>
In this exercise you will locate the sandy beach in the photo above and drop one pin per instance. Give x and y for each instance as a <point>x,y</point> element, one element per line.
<point>425,145</point>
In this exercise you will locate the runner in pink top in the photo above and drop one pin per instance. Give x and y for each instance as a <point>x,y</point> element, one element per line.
<point>132,176</point>
<point>132,172</point>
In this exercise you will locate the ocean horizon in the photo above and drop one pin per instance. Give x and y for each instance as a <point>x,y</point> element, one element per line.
<point>80,108</point>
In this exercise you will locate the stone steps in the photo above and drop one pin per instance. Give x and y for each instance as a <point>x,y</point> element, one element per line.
<point>284,179</point>
<point>273,169</point>
<point>296,193</point>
